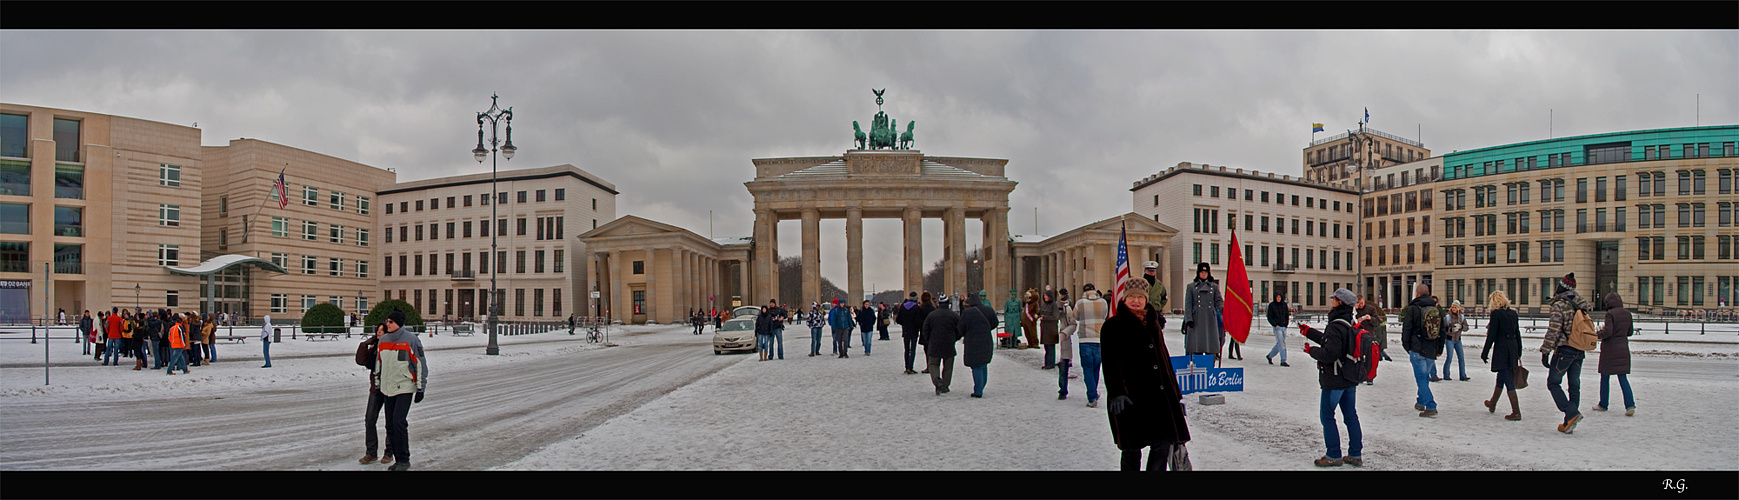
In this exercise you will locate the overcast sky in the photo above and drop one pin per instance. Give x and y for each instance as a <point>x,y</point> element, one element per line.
<point>674,117</point>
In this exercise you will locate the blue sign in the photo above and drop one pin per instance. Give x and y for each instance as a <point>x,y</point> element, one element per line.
<point>1197,374</point>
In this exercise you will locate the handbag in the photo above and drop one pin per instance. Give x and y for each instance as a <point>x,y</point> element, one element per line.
<point>1521,377</point>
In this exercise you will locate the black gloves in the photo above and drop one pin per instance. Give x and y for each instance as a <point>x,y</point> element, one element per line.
<point>418,398</point>
<point>1189,324</point>
<point>1546,359</point>
<point>1119,403</point>
<point>1485,358</point>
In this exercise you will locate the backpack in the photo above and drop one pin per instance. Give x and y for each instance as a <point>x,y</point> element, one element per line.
<point>1581,335</point>
<point>1359,363</point>
<point>1433,323</point>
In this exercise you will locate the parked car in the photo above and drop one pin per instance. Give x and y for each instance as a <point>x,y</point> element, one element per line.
<point>738,334</point>
<point>745,312</point>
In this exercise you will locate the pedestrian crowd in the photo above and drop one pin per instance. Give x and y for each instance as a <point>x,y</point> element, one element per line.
<point>158,338</point>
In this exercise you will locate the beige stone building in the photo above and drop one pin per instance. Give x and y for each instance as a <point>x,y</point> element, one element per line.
<point>324,237</point>
<point>437,233</point>
<point>107,200</point>
<point>1397,239</point>
<point>1649,214</point>
<point>1086,254</point>
<point>1335,160</point>
<point>1297,235</point>
<point>654,272</point>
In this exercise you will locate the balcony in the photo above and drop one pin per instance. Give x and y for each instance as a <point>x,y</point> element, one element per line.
<point>465,275</point>
<point>1285,267</point>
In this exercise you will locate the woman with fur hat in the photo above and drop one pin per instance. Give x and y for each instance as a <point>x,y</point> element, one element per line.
<point>1201,312</point>
<point>1145,402</point>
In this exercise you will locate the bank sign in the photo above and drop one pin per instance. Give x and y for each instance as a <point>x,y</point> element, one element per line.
<point>1197,374</point>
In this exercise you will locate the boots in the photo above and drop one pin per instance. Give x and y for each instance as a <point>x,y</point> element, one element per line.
<point>1515,408</point>
<point>139,363</point>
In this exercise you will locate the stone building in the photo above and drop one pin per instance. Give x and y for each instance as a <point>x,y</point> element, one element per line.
<point>1335,160</point>
<point>1397,240</point>
<point>1297,235</point>
<point>438,232</point>
<point>1649,214</point>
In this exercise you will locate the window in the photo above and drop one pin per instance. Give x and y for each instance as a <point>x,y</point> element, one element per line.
<point>519,261</point>
<point>311,196</point>
<point>595,200</point>
<point>522,200</point>
<point>418,269</point>
<point>388,266</point>
<point>434,230</point>
<point>308,263</point>
<point>1213,191</point>
<point>168,255</point>
<point>15,218</point>
<point>640,301</point>
<point>1264,196</point>
<point>168,175</point>
<point>337,200</point>
<point>281,260</point>
<point>450,201</point>
<point>522,222</point>
<point>519,293</point>
<point>434,204</point>
<point>1618,219</point>
<point>557,261</point>
<point>419,232</point>
<point>1264,223</point>
<point>466,200</point>
<point>336,234</point>
<point>537,261</point>
<point>561,194</point>
<point>335,266</point>
<point>466,228</point>
<point>1195,252</point>
<point>640,265</point>
<point>1295,200</point>
<point>537,296</point>
<point>482,262</point>
<point>14,135</point>
<point>66,140</point>
<point>280,303</point>
<point>361,237</point>
<point>169,215</point>
<point>1698,182</point>
<point>483,227</point>
<point>1606,153</point>
<point>362,205</point>
<point>1294,226</point>
<point>540,198</point>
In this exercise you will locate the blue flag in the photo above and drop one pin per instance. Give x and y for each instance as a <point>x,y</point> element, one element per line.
<point>1367,115</point>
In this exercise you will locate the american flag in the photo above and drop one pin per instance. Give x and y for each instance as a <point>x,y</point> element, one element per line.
<point>282,189</point>
<point>1122,267</point>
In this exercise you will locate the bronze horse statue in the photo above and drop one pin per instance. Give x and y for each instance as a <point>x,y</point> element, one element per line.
<point>862,141</point>
<point>906,138</point>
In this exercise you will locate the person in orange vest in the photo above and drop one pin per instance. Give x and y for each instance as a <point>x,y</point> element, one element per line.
<point>178,344</point>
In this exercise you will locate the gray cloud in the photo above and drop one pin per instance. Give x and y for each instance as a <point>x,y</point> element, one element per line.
<point>674,117</point>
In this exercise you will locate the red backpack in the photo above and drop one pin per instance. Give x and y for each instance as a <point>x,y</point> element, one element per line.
<point>1359,364</point>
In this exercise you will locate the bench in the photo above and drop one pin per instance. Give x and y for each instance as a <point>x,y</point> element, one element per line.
<point>239,339</point>
<point>321,336</point>
<point>463,329</point>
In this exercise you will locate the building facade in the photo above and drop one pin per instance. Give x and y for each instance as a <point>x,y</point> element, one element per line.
<point>1397,240</point>
<point>1337,159</point>
<point>649,271</point>
<point>101,204</point>
<point>324,237</point>
<point>434,252</point>
<point>1297,235</point>
<point>1649,214</point>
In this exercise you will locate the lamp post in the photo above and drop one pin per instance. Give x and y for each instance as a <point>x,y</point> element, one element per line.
<point>1361,143</point>
<point>135,296</point>
<point>496,116</point>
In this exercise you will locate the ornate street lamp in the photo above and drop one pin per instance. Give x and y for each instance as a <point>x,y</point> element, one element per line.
<point>1361,145</point>
<point>496,117</point>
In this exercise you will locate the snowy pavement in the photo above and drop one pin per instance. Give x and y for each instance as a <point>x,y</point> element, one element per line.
<point>862,413</point>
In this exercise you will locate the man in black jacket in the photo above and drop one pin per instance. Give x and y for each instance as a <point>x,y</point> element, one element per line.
<point>1278,315</point>
<point>910,316</point>
<point>1421,352</point>
<point>1337,391</point>
<point>866,323</point>
<point>941,331</point>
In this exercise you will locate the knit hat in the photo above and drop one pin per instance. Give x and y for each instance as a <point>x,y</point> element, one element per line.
<point>1569,280</point>
<point>1454,303</point>
<point>397,317</point>
<point>912,295</point>
<point>1345,296</point>
<point>943,300</point>
<point>1134,285</point>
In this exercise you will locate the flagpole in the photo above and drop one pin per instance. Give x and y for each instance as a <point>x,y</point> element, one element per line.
<point>248,225</point>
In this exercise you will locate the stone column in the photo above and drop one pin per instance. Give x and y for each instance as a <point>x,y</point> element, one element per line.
<point>659,298</point>
<point>954,227</point>
<point>616,294</point>
<point>744,284</point>
<point>678,290</point>
<point>765,257</point>
<point>853,254</point>
<point>912,221</point>
<point>991,252</point>
<point>811,255</point>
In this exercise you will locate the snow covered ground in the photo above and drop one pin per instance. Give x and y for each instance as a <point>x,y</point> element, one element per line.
<point>861,413</point>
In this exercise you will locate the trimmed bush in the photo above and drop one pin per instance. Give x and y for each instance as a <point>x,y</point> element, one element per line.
<point>323,318</point>
<point>378,314</point>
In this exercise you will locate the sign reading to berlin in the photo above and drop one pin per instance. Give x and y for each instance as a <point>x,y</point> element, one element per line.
<point>1197,374</point>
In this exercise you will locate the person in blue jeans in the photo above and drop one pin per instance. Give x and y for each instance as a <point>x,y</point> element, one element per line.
<point>1338,391</point>
<point>866,323</point>
<point>1278,314</point>
<point>1615,353</point>
<point>1421,351</point>
<point>266,341</point>
<point>777,330</point>
<point>814,321</point>
<point>1453,327</point>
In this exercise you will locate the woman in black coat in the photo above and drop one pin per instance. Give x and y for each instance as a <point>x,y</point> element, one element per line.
<point>1146,406</point>
<point>1503,349</point>
<point>976,323</point>
<point>1615,353</point>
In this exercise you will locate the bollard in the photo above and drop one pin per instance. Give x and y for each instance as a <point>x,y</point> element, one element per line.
<point>278,335</point>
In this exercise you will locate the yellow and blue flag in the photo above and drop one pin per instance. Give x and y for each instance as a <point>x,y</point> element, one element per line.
<point>1316,127</point>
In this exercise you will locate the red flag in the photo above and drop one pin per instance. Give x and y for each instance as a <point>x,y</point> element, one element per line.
<point>1122,269</point>
<point>282,189</point>
<point>1238,309</point>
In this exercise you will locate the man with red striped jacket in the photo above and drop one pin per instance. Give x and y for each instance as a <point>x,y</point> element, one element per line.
<point>401,372</point>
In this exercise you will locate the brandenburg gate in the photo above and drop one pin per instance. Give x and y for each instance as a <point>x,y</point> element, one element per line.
<point>893,184</point>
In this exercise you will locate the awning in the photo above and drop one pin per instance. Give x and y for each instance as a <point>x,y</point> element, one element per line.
<point>222,262</point>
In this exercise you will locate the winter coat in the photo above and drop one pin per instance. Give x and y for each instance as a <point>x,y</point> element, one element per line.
<point>1048,318</point>
<point>1155,293</point>
<point>839,318</point>
<point>1503,340</point>
<point>1378,324</point>
<point>266,330</point>
<point>1563,305</point>
<point>1332,348</point>
<point>815,320</point>
<point>1455,325</point>
<point>1614,338</point>
<point>1029,318</point>
<point>1138,366</point>
<point>1089,315</point>
<point>114,330</point>
<point>763,324</point>
<point>976,324</point>
<point>1202,304</point>
<point>779,315</point>
<point>1279,313</point>
<point>177,336</point>
<point>941,331</point>
<point>400,367</point>
<point>910,317</point>
<point>1413,328</point>
<point>210,333</point>
<point>866,319</point>
<point>1066,334</point>
<point>884,316</point>
<point>85,324</point>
